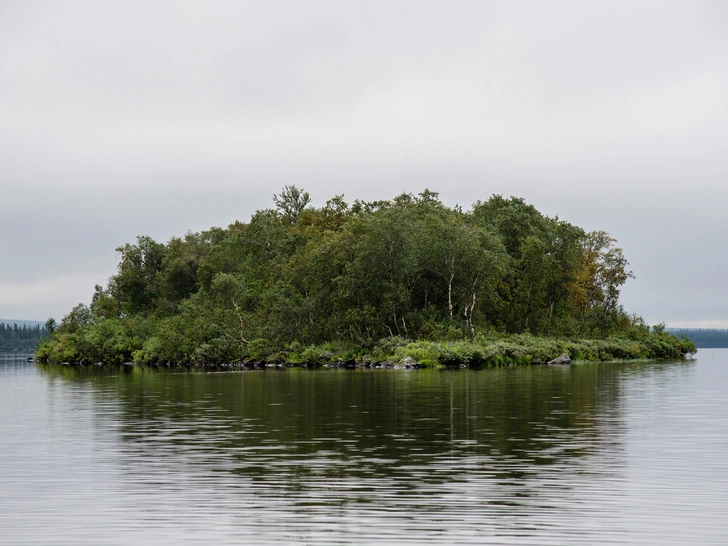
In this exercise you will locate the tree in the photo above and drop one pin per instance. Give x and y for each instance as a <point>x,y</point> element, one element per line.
<point>291,202</point>
<point>135,287</point>
<point>230,291</point>
<point>608,268</point>
<point>50,325</point>
<point>561,266</point>
<point>469,260</point>
<point>178,277</point>
<point>103,304</point>
<point>77,318</point>
<point>384,270</point>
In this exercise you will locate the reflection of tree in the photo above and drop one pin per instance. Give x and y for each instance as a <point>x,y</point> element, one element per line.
<point>266,422</point>
<point>498,447</point>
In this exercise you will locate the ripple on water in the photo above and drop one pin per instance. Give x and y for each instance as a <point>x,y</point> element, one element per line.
<point>603,455</point>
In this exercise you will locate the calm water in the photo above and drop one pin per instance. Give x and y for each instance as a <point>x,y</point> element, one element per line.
<point>592,454</point>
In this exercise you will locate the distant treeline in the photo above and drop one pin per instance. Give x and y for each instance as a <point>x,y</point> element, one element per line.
<point>704,338</point>
<point>20,338</point>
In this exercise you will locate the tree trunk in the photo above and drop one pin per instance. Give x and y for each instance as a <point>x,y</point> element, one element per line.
<point>240,318</point>
<point>449,293</point>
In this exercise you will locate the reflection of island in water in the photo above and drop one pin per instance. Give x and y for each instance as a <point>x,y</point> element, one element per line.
<point>505,436</point>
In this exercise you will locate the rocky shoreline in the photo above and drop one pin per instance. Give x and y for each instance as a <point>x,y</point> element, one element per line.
<point>407,363</point>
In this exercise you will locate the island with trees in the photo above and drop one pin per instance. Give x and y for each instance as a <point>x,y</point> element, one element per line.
<point>369,283</point>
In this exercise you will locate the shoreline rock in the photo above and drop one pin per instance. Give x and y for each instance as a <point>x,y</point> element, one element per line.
<point>561,360</point>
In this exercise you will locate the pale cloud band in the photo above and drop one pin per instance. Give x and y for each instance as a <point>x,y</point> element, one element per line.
<point>151,118</point>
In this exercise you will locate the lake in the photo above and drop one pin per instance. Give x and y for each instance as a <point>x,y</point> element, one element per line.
<point>617,453</point>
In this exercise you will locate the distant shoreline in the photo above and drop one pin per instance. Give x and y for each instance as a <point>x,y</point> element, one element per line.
<point>704,338</point>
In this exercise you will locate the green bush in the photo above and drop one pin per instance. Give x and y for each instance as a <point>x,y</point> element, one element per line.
<point>426,353</point>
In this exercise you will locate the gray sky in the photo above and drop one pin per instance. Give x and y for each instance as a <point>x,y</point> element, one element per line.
<point>120,119</point>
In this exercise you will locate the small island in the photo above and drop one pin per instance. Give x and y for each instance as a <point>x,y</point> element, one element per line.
<point>406,282</point>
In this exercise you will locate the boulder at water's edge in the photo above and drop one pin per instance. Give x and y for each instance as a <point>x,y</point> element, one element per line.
<point>563,359</point>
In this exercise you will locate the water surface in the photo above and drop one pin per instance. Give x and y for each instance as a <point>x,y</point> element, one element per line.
<point>588,454</point>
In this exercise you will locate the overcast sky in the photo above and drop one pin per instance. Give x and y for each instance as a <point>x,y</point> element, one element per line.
<point>120,119</point>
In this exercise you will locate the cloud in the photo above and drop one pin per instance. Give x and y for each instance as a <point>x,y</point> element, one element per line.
<point>48,296</point>
<point>714,324</point>
<point>124,119</point>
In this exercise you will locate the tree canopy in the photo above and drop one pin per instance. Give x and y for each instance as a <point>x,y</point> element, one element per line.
<point>409,267</point>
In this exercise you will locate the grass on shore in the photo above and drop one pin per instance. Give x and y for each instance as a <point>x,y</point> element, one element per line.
<point>521,349</point>
<point>115,343</point>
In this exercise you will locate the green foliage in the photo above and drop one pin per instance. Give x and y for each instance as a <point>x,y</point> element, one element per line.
<point>527,349</point>
<point>113,341</point>
<point>291,202</point>
<point>405,277</point>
